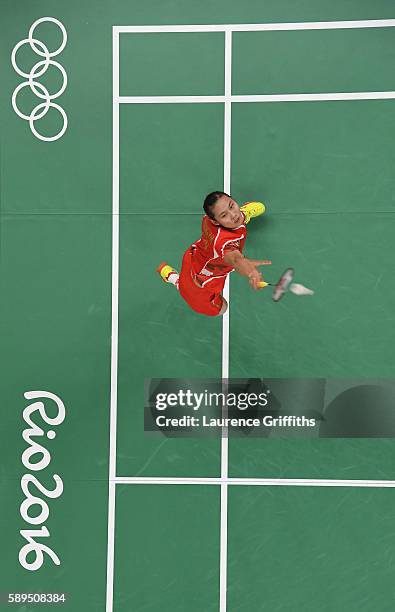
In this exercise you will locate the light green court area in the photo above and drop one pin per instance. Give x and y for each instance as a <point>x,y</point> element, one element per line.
<point>168,348</point>
<point>313,61</point>
<point>325,171</point>
<point>177,147</point>
<point>168,559</point>
<point>328,157</point>
<point>173,64</point>
<point>310,549</point>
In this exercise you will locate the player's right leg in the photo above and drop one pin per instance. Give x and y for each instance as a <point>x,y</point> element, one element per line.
<point>252,210</point>
<point>224,307</point>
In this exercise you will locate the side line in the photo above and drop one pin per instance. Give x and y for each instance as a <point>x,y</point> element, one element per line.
<point>300,97</point>
<point>265,482</point>
<point>225,335</point>
<point>259,27</point>
<point>114,331</point>
<point>318,97</point>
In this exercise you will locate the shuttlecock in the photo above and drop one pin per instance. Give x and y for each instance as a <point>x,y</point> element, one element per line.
<point>298,289</point>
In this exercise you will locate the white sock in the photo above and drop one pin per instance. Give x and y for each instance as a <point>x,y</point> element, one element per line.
<point>173,278</point>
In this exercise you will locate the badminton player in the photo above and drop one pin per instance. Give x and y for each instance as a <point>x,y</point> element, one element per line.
<point>208,261</point>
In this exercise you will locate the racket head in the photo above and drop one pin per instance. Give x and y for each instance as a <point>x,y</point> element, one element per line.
<point>283,284</point>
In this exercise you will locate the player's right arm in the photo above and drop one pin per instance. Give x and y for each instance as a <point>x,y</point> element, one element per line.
<point>246,267</point>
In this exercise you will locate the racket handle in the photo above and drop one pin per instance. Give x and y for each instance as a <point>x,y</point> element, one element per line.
<point>262,284</point>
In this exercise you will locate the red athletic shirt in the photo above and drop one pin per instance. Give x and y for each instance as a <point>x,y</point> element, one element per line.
<point>209,250</point>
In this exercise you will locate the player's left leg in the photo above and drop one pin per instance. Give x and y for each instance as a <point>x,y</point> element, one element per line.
<point>217,305</point>
<point>168,274</point>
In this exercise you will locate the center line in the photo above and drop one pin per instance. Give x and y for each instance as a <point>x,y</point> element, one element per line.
<point>225,334</point>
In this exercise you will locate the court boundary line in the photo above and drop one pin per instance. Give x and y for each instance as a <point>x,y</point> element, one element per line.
<point>267,482</point>
<point>300,97</point>
<point>114,331</point>
<point>257,27</point>
<point>228,99</point>
<point>223,562</point>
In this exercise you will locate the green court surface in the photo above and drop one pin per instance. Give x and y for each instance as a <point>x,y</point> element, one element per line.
<point>141,524</point>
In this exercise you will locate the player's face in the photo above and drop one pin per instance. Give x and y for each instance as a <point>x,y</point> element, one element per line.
<point>227,212</point>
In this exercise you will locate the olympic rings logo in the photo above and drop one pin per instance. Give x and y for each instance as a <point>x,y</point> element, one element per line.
<point>36,72</point>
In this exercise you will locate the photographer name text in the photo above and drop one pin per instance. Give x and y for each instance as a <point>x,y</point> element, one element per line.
<point>187,421</point>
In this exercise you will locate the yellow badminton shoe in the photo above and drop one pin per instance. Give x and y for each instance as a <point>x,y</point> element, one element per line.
<point>252,209</point>
<point>165,270</point>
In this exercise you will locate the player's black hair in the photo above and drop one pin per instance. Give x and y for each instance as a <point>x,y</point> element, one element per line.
<point>210,201</point>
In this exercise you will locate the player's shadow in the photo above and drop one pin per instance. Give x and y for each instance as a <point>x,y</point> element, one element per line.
<point>365,411</point>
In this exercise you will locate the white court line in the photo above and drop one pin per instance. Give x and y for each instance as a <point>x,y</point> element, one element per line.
<point>169,99</point>
<point>227,99</point>
<point>301,97</point>
<point>114,330</point>
<point>318,97</point>
<point>258,27</point>
<point>263,482</point>
<point>223,568</point>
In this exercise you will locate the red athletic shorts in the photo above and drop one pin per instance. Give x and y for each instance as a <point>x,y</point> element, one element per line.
<point>206,300</point>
